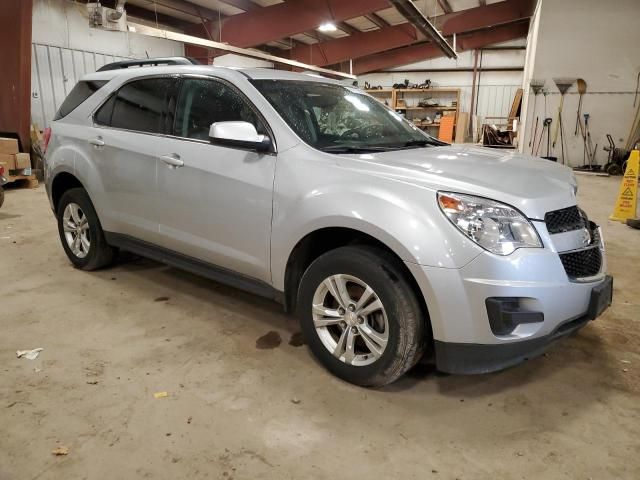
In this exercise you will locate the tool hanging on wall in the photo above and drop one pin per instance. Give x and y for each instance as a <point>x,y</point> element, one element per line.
<point>589,151</point>
<point>537,87</point>
<point>535,132</point>
<point>563,84</point>
<point>546,127</point>
<point>588,144</point>
<point>582,89</point>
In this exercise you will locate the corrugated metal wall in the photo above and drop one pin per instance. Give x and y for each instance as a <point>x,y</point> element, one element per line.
<point>54,72</point>
<point>495,100</point>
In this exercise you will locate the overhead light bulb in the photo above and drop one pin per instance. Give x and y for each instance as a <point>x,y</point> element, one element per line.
<point>327,27</point>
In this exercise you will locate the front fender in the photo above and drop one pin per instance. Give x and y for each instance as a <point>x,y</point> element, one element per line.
<point>404,217</point>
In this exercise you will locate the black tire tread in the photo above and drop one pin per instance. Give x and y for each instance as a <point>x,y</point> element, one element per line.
<point>101,253</point>
<point>414,331</point>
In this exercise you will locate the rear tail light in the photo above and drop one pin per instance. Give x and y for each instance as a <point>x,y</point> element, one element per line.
<point>1,170</point>
<point>46,136</point>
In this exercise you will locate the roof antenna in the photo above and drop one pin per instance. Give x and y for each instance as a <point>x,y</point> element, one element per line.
<point>146,53</point>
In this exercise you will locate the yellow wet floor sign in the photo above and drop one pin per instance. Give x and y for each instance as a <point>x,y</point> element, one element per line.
<point>628,197</point>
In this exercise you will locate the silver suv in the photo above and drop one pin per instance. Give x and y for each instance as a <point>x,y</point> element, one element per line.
<point>387,243</point>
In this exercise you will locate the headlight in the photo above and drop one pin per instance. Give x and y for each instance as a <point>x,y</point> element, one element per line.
<point>494,226</point>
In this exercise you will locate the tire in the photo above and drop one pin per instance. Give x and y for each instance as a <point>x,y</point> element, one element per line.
<point>614,169</point>
<point>401,319</point>
<point>1,196</point>
<point>98,253</point>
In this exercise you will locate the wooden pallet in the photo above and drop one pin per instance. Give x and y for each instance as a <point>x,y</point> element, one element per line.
<point>22,181</point>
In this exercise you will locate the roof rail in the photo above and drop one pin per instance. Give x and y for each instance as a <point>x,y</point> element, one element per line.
<point>149,62</point>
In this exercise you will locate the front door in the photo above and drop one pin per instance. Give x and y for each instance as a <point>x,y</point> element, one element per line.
<point>215,202</point>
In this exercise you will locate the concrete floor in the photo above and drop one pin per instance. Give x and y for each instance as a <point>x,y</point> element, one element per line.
<point>113,338</point>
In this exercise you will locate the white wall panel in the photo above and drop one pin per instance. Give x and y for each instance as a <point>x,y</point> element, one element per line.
<point>54,72</point>
<point>65,49</point>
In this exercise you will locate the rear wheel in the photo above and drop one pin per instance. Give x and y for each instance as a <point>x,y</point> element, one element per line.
<point>360,315</point>
<point>81,233</point>
<point>1,196</point>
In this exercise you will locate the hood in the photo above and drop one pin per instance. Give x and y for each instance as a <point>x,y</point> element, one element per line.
<point>533,185</point>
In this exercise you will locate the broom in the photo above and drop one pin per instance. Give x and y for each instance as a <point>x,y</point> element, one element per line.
<point>582,89</point>
<point>563,85</point>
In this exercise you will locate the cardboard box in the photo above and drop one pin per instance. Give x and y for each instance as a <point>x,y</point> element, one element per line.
<point>8,146</point>
<point>4,169</point>
<point>9,161</point>
<point>23,160</point>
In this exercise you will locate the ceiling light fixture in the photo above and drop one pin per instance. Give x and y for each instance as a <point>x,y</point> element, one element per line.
<point>327,27</point>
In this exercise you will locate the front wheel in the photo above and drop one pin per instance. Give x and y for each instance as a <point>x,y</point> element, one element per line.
<point>81,233</point>
<point>360,316</point>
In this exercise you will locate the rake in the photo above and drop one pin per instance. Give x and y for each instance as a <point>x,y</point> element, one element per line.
<point>537,86</point>
<point>563,84</point>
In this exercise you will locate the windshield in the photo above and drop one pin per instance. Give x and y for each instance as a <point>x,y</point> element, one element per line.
<point>334,118</point>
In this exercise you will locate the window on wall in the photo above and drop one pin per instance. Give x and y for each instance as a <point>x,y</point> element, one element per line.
<point>146,105</point>
<point>203,102</point>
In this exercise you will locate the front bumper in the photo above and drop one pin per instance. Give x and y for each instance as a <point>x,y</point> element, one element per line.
<point>466,358</point>
<point>554,305</point>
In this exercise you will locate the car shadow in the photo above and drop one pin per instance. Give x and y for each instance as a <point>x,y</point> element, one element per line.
<point>584,350</point>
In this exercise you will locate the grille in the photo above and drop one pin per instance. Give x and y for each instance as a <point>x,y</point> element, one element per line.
<point>565,220</point>
<point>583,263</point>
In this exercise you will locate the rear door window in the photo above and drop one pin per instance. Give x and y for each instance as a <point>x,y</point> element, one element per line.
<point>146,105</point>
<point>83,90</point>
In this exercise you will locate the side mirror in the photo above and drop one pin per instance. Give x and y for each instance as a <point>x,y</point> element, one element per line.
<point>241,135</point>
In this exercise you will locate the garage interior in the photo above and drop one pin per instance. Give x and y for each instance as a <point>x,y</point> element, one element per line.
<point>147,371</point>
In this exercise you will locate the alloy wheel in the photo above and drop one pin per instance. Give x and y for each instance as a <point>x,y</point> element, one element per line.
<point>76,230</point>
<point>350,320</point>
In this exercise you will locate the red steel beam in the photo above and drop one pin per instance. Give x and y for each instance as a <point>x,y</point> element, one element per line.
<point>425,51</point>
<point>15,81</point>
<point>356,45</point>
<point>290,18</point>
<point>376,41</point>
<point>488,16</point>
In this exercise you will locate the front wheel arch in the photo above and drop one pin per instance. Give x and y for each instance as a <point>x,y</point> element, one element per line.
<point>321,241</point>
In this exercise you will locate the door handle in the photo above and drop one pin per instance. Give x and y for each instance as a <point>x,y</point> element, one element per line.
<point>97,142</point>
<point>173,160</point>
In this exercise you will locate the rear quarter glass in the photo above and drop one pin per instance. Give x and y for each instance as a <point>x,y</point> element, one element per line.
<point>83,90</point>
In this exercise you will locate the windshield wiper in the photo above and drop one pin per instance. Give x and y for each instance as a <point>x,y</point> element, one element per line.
<point>355,149</point>
<point>422,143</point>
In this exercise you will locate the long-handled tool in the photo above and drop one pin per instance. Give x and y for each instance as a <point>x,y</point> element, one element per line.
<point>535,132</point>
<point>589,151</point>
<point>546,127</point>
<point>582,89</point>
<point>563,84</point>
<point>536,86</point>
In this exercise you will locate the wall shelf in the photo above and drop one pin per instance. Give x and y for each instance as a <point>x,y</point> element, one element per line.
<point>405,100</point>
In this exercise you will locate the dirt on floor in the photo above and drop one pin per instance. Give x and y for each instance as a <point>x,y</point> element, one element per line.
<point>150,372</point>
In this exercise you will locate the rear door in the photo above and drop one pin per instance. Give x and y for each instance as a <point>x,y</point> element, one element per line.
<point>125,149</point>
<point>215,202</point>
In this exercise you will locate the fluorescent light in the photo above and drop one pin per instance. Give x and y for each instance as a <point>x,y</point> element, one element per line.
<point>327,27</point>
